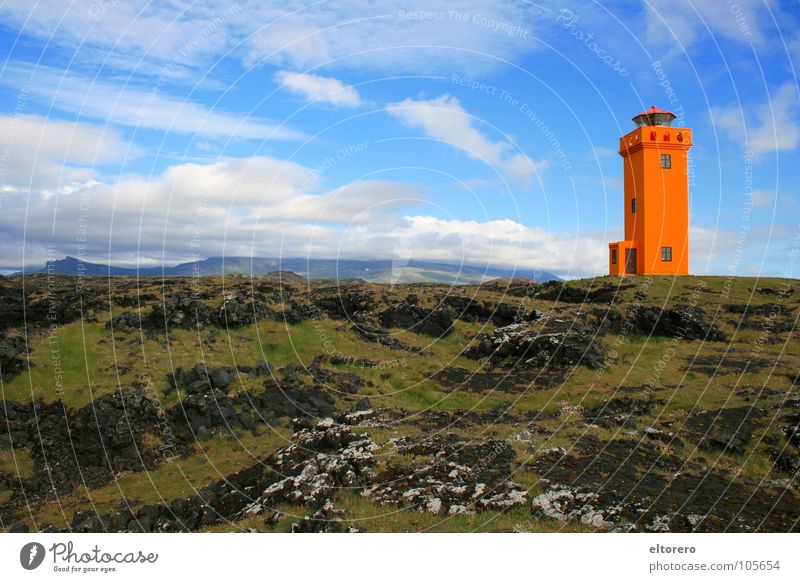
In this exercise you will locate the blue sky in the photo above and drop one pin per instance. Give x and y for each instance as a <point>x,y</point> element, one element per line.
<point>483,132</point>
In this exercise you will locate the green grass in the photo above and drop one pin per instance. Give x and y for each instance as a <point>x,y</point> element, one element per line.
<point>16,462</point>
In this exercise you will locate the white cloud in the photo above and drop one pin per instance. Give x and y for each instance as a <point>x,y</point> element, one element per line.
<point>255,202</point>
<point>168,32</point>
<point>48,155</point>
<point>319,89</point>
<point>267,207</point>
<point>142,107</point>
<point>394,35</point>
<point>504,243</point>
<point>391,35</point>
<point>766,128</point>
<point>445,119</point>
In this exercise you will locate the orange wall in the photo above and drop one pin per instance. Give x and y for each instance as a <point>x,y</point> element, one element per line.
<point>662,195</point>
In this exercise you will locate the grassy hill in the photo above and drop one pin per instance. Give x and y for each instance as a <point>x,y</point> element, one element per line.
<point>636,404</point>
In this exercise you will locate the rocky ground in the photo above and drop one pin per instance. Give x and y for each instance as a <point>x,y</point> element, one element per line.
<point>278,404</point>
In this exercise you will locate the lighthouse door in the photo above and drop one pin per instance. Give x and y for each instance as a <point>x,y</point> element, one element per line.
<point>630,261</point>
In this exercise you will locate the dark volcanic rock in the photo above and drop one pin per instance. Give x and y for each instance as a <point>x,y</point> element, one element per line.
<point>126,322</point>
<point>786,460</point>
<point>11,307</point>
<point>727,429</point>
<point>134,299</point>
<point>607,320</point>
<point>564,292</point>
<point>469,309</point>
<point>773,317</point>
<point>297,312</point>
<point>618,411</point>
<point>182,311</point>
<point>346,382</point>
<point>632,485</point>
<point>110,430</point>
<point>792,428</point>
<point>243,309</point>
<point>87,447</point>
<point>204,409</point>
<point>296,402</point>
<point>559,343</point>
<point>13,358</point>
<point>61,307</point>
<point>343,302</point>
<point>683,321</point>
<point>202,378</point>
<point>367,330</point>
<point>430,322</point>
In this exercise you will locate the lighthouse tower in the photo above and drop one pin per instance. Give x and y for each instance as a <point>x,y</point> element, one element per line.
<point>655,158</point>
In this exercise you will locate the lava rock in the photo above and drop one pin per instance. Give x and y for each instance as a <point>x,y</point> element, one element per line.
<point>559,344</point>
<point>12,306</point>
<point>183,311</point>
<point>243,309</point>
<point>618,411</point>
<point>726,429</point>
<point>686,322</point>
<point>13,356</point>
<point>202,378</point>
<point>430,322</point>
<point>342,302</point>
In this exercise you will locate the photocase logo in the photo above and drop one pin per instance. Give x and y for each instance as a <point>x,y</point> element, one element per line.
<point>31,555</point>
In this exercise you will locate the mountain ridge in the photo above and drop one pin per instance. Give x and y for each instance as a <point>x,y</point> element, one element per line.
<point>379,271</point>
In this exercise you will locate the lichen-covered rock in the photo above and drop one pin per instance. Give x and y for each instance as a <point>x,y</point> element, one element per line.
<point>558,344</point>
<point>460,478</point>
<point>323,459</point>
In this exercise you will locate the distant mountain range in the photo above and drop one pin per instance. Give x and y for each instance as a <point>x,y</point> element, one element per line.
<point>377,271</point>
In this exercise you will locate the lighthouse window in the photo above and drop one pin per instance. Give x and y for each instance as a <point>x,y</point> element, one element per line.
<point>613,256</point>
<point>666,254</point>
<point>633,205</point>
<point>666,161</point>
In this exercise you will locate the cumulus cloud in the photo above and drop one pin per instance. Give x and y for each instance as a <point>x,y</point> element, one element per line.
<point>174,232</point>
<point>445,119</point>
<point>48,155</point>
<point>315,88</point>
<point>207,208</point>
<point>267,207</point>
<point>769,127</point>
<point>504,243</point>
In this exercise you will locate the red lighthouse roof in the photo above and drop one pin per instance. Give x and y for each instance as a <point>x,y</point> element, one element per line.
<point>654,116</point>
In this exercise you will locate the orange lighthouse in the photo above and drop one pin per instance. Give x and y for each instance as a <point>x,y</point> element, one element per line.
<point>656,160</point>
